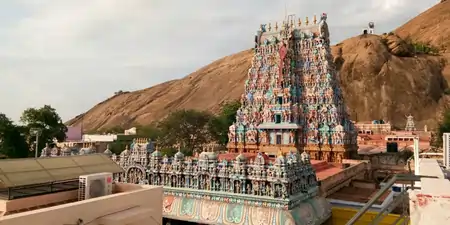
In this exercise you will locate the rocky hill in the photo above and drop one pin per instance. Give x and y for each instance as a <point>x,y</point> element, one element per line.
<point>381,77</point>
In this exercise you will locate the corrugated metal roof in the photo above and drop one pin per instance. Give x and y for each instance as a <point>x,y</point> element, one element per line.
<point>29,171</point>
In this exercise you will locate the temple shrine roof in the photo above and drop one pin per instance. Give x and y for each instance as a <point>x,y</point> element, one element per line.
<point>325,169</point>
<point>248,156</point>
<point>372,136</point>
<point>371,149</point>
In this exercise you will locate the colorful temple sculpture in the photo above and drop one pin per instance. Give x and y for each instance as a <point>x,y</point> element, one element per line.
<point>292,98</point>
<point>249,189</point>
<point>410,125</point>
<point>134,161</point>
<point>47,151</point>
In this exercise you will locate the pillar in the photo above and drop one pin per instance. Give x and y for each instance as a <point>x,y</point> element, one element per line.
<point>416,156</point>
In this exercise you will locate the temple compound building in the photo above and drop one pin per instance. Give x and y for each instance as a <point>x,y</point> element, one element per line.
<point>248,189</point>
<point>292,99</point>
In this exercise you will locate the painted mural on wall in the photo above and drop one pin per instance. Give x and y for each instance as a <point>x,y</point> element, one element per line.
<point>312,211</point>
<point>292,95</point>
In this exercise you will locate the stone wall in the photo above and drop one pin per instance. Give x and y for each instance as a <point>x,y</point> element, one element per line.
<point>133,207</point>
<point>333,183</point>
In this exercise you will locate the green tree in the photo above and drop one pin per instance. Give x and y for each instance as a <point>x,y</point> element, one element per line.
<point>47,120</point>
<point>169,152</point>
<point>151,131</point>
<point>444,127</point>
<point>185,127</point>
<point>12,142</point>
<point>218,125</point>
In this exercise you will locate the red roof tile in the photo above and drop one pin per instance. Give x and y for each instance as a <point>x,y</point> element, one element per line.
<point>325,169</point>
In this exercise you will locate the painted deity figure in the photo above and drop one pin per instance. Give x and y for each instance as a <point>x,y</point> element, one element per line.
<point>45,152</point>
<point>232,133</point>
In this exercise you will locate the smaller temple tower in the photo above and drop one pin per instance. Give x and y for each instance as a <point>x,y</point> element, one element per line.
<point>370,29</point>
<point>410,126</point>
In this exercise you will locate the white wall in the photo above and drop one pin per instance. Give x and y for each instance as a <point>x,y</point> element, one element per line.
<point>99,137</point>
<point>141,206</point>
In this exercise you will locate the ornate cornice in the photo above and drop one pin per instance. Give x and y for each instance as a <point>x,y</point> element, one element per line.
<point>253,200</point>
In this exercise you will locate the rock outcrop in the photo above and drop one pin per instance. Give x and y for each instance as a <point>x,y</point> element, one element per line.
<point>397,45</point>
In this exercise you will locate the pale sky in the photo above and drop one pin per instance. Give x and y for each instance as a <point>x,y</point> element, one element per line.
<point>72,54</point>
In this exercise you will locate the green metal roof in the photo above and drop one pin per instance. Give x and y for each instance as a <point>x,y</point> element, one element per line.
<point>30,171</point>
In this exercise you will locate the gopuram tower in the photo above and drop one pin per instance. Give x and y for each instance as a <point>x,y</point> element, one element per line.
<point>292,99</point>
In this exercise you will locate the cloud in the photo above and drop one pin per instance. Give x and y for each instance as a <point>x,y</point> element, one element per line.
<point>73,54</point>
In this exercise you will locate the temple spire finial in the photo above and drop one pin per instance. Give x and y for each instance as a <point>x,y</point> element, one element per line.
<point>306,21</point>
<point>276,26</point>
<point>315,19</point>
<point>299,22</point>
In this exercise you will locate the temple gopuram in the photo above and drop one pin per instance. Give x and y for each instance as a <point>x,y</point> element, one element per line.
<point>292,98</point>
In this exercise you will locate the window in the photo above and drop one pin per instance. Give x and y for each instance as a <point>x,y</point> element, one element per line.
<point>278,139</point>
<point>278,118</point>
<point>280,100</point>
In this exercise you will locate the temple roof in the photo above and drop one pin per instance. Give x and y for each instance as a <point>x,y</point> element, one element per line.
<point>30,171</point>
<point>325,169</point>
<point>248,156</point>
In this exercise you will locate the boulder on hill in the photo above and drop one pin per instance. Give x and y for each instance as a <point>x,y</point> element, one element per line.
<point>397,45</point>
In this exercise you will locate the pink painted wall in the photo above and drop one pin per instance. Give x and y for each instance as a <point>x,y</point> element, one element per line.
<point>74,134</point>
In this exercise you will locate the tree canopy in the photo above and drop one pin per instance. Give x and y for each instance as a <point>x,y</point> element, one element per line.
<point>188,128</point>
<point>218,125</point>
<point>150,131</point>
<point>12,141</point>
<point>444,127</point>
<point>47,121</point>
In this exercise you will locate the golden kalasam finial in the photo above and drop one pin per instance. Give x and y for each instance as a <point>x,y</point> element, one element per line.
<point>292,23</point>
<point>270,27</point>
<point>315,19</point>
<point>307,21</point>
<point>276,26</point>
<point>284,25</point>
<point>299,22</point>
